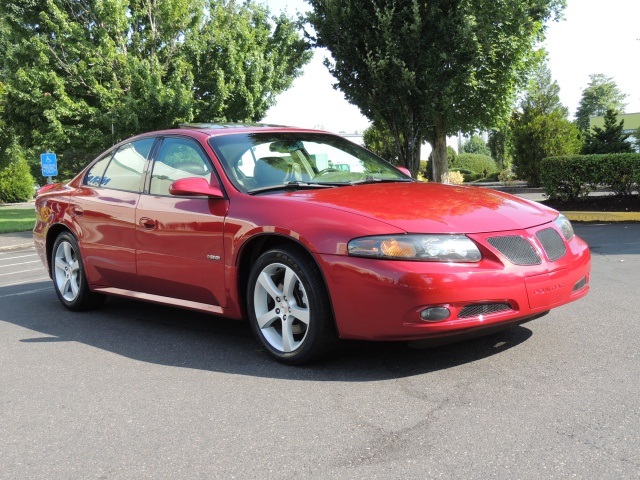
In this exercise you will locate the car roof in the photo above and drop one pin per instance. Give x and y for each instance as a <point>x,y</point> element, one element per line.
<point>214,129</point>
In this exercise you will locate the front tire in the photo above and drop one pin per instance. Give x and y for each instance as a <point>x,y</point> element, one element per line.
<point>288,307</point>
<point>69,279</point>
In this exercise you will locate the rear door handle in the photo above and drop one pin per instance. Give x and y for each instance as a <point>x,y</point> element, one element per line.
<point>147,223</point>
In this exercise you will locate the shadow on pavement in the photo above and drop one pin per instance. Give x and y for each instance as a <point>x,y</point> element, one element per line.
<point>180,338</point>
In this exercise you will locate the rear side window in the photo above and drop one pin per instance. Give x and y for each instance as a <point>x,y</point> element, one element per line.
<point>127,165</point>
<point>95,173</point>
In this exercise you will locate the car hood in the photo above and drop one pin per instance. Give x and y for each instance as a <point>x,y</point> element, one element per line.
<point>432,207</point>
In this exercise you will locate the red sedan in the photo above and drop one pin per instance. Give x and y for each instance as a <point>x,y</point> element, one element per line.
<point>308,236</point>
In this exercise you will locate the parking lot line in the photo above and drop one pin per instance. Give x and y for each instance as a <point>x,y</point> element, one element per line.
<point>23,263</point>
<point>21,271</point>
<point>32,280</point>
<point>25,293</point>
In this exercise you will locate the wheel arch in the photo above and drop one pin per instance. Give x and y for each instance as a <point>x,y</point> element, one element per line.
<point>256,246</point>
<point>52,233</point>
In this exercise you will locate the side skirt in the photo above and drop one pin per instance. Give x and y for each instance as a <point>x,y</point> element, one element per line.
<point>148,297</point>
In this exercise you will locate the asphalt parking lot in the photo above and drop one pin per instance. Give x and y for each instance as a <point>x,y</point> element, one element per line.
<point>140,391</point>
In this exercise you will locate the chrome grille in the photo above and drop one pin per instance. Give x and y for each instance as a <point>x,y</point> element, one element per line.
<point>552,243</point>
<point>477,309</point>
<point>516,249</point>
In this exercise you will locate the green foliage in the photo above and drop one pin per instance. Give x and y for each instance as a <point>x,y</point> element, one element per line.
<point>82,75</point>
<point>240,64</point>
<point>16,182</point>
<point>574,176</point>
<point>540,137</point>
<point>608,139</point>
<point>452,155</point>
<point>475,144</point>
<point>380,141</point>
<point>475,163</point>
<point>541,128</point>
<point>601,94</point>
<point>500,145</point>
<point>429,69</point>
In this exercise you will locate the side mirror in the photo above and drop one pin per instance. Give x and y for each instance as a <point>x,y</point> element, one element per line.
<point>195,186</point>
<point>405,170</point>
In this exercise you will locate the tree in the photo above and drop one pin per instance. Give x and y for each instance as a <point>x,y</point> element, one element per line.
<point>475,144</point>
<point>380,141</point>
<point>609,138</point>
<point>240,64</point>
<point>540,127</point>
<point>601,94</point>
<point>427,69</point>
<point>500,145</point>
<point>542,136</point>
<point>82,75</point>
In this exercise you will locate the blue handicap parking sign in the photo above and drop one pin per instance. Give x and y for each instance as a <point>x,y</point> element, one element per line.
<point>49,164</point>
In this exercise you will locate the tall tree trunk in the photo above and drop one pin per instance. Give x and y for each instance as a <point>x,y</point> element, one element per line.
<point>408,145</point>
<point>413,154</point>
<point>440,163</point>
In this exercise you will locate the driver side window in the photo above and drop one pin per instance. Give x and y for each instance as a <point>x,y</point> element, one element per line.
<point>177,158</point>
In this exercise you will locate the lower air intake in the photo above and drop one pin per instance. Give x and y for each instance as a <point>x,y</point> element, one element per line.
<point>580,284</point>
<point>477,309</point>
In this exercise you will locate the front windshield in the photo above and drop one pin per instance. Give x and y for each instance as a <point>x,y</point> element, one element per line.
<point>258,161</point>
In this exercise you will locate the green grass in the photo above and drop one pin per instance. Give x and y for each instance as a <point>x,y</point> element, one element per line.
<point>16,219</point>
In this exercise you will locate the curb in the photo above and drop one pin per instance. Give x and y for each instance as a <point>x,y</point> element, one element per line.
<point>603,216</point>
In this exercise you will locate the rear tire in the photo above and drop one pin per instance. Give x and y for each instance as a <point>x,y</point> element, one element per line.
<point>69,279</point>
<point>288,307</point>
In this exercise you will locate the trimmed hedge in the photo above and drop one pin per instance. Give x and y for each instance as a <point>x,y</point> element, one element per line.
<point>475,162</point>
<point>574,176</point>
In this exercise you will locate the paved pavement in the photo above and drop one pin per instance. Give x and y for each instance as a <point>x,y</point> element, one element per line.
<point>135,390</point>
<point>15,241</point>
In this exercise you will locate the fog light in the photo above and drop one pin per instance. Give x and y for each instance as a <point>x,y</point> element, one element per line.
<point>435,314</point>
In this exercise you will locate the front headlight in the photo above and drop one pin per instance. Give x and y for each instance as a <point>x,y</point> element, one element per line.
<point>565,226</point>
<point>428,248</point>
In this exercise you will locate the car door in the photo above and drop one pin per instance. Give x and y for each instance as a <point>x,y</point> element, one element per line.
<point>180,239</point>
<point>103,213</point>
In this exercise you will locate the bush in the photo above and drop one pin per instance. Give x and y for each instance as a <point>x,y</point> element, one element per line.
<point>507,177</point>
<point>574,176</point>
<point>476,163</point>
<point>455,178</point>
<point>16,182</point>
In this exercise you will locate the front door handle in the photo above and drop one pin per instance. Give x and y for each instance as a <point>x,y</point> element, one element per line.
<point>147,223</point>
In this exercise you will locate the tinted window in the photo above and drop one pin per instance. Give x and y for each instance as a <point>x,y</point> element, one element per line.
<point>125,169</point>
<point>177,158</point>
<point>94,174</point>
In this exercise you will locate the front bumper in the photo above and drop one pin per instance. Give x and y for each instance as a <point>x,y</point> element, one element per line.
<point>382,299</point>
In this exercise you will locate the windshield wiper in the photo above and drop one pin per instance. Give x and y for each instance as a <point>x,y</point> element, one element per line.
<point>296,185</point>
<point>380,180</point>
